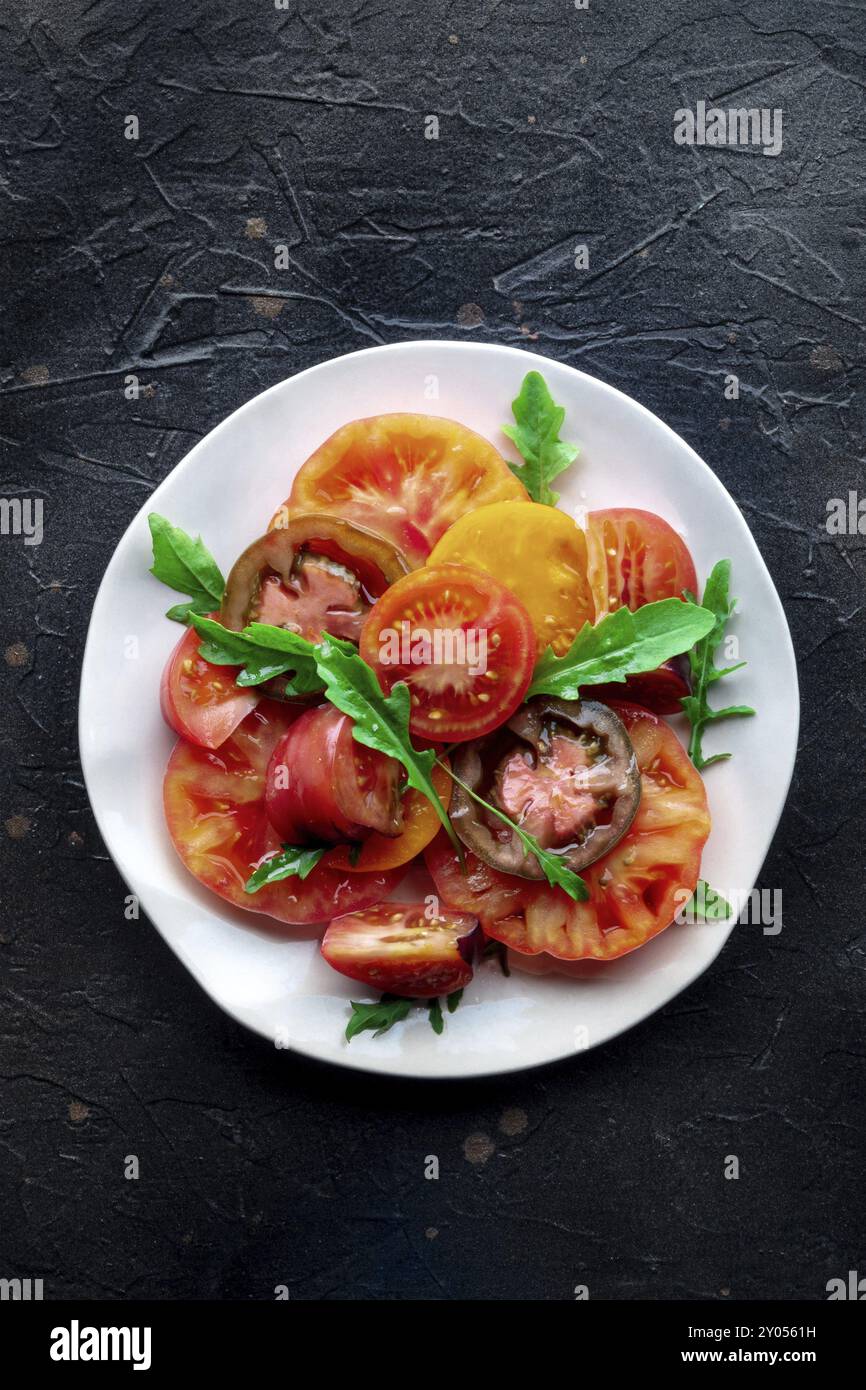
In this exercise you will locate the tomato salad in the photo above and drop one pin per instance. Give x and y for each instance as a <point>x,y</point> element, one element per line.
<point>424,661</point>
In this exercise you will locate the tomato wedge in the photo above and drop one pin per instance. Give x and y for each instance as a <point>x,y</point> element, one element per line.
<point>463,644</point>
<point>215,812</point>
<point>419,826</point>
<point>635,558</point>
<point>405,477</point>
<point>539,552</point>
<point>323,785</point>
<point>635,890</point>
<point>199,701</point>
<point>400,949</point>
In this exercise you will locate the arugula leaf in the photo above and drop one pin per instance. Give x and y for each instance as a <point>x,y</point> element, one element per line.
<point>718,602</point>
<point>377,1017</point>
<point>707,903</point>
<point>380,721</point>
<point>622,644</point>
<point>536,434</point>
<point>263,651</point>
<point>556,871</point>
<point>292,861</point>
<point>499,950</point>
<point>392,1008</point>
<point>187,566</point>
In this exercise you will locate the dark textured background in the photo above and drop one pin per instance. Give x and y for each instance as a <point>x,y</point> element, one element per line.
<point>305,126</point>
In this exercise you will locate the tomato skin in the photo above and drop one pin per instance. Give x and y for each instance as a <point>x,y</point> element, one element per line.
<point>661,690</point>
<point>215,813</point>
<point>406,477</point>
<point>397,948</point>
<point>322,784</point>
<point>459,699</point>
<point>635,557</point>
<point>539,553</point>
<point>199,701</point>
<point>420,825</point>
<point>635,889</point>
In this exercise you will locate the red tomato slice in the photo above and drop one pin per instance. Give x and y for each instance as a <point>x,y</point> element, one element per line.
<point>461,641</point>
<point>661,690</point>
<point>635,558</point>
<point>406,477</point>
<point>635,890</point>
<point>216,816</point>
<point>323,785</point>
<point>398,948</point>
<point>199,701</point>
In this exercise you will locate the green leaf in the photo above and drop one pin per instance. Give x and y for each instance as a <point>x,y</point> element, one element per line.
<point>380,722</point>
<point>556,871</point>
<point>292,861</point>
<point>705,902</point>
<point>379,1017</point>
<point>536,434</point>
<point>622,644</point>
<point>453,999</point>
<point>271,652</point>
<point>704,671</point>
<point>187,566</point>
<point>499,951</point>
<point>437,1022</point>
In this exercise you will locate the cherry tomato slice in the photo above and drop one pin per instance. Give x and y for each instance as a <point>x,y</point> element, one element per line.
<point>420,825</point>
<point>635,558</point>
<point>199,701</point>
<point>406,477</point>
<point>461,641</point>
<point>216,817</point>
<point>396,947</point>
<point>539,552</point>
<point>323,785</point>
<point>635,890</point>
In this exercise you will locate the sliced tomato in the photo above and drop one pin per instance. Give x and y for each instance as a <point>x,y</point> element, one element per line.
<point>215,811</point>
<point>401,948</point>
<point>199,701</point>
<point>635,558</point>
<point>661,690</point>
<point>323,785</point>
<point>406,477</point>
<point>635,890</point>
<point>539,552</point>
<point>463,644</point>
<point>419,826</point>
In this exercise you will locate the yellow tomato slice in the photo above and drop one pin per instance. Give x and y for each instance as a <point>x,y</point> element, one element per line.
<point>539,553</point>
<point>420,824</point>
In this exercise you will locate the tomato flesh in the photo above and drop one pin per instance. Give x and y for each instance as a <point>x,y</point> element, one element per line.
<point>215,812</point>
<point>324,597</point>
<point>635,557</point>
<point>661,691</point>
<point>461,641</point>
<point>400,949</point>
<point>635,889</point>
<point>323,785</point>
<point>199,701</point>
<point>419,826</point>
<point>403,476</point>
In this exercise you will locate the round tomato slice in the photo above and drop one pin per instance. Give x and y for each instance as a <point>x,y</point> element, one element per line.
<point>463,644</point>
<point>322,784</point>
<point>539,552</point>
<point>215,812</point>
<point>419,826</point>
<point>635,558</point>
<point>402,949</point>
<point>405,477</point>
<point>635,891</point>
<point>199,701</point>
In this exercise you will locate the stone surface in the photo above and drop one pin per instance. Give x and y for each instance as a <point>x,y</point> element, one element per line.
<point>154,258</point>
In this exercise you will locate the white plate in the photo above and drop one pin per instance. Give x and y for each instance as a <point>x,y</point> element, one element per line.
<point>226,488</point>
